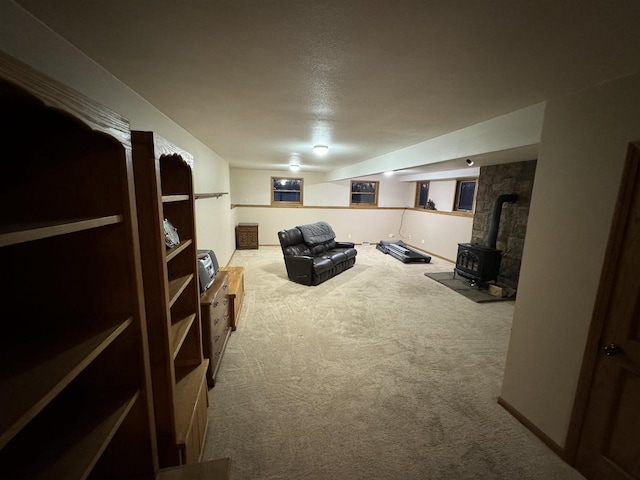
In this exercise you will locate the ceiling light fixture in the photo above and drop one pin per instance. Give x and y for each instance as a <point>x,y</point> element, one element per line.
<point>294,167</point>
<point>320,149</point>
<point>388,173</point>
<point>469,162</point>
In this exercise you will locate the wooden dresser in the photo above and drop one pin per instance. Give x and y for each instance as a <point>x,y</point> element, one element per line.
<point>247,236</point>
<point>216,323</point>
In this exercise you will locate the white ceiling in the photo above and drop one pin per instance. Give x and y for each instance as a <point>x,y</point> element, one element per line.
<point>262,81</point>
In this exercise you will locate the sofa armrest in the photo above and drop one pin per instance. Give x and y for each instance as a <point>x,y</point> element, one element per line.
<point>299,268</point>
<point>299,260</point>
<point>298,265</point>
<point>345,244</point>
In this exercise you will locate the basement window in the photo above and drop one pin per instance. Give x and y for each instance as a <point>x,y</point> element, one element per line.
<point>422,194</point>
<point>465,195</point>
<point>286,191</point>
<point>364,194</point>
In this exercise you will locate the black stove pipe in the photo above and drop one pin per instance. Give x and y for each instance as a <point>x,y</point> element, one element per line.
<point>495,216</point>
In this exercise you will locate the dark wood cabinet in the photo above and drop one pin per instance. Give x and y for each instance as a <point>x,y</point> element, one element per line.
<point>216,323</point>
<point>247,236</point>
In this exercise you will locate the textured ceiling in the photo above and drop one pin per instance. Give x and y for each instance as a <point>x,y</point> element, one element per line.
<point>262,81</point>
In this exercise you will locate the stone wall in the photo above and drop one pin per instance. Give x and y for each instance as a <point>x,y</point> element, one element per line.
<point>495,180</point>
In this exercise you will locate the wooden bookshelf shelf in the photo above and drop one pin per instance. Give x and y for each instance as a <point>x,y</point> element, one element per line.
<point>177,286</point>
<point>15,234</point>
<point>179,331</point>
<point>173,252</point>
<point>81,435</point>
<point>189,386</point>
<point>49,363</point>
<point>174,198</point>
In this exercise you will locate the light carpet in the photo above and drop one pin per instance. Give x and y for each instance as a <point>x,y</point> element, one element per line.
<point>378,373</point>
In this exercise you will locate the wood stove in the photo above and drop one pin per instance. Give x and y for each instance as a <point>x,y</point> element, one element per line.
<point>481,263</point>
<point>478,263</point>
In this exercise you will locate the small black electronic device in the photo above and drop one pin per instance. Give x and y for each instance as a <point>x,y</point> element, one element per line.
<point>207,268</point>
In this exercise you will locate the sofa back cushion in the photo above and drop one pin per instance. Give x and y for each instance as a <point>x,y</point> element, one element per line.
<point>297,250</point>
<point>320,248</point>
<point>292,242</point>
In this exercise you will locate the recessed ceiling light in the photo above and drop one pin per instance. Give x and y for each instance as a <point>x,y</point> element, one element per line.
<point>320,149</point>
<point>389,173</point>
<point>469,162</point>
<point>294,167</point>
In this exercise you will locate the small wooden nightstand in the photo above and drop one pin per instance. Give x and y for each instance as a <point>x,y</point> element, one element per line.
<point>247,236</point>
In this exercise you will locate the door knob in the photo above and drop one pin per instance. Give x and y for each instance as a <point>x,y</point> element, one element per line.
<point>613,349</point>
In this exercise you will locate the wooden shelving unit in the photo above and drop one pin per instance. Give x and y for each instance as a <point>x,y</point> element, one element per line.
<point>164,190</point>
<point>74,375</point>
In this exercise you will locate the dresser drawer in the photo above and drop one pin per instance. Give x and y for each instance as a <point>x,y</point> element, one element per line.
<point>218,337</point>
<point>216,323</point>
<point>219,343</point>
<point>220,317</point>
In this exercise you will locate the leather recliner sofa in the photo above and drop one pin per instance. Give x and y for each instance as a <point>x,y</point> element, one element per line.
<point>312,255</point>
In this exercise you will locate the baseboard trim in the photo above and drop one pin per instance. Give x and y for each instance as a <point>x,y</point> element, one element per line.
<point>557,449</point>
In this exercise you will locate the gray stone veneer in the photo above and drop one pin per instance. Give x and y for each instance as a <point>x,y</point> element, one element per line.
<point>495,180</point>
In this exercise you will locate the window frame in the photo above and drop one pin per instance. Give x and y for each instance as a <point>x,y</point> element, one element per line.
<point>281,203</point>
<point>456,202</point>
<point>417,199</point>
<point>364,205</point>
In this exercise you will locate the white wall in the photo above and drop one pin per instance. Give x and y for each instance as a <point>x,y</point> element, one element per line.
<point>513,130</point>
<point>215,227</point>
<point>253,187</point>
<point>318,192</point>
<point>441,232</point>
<point>443,194</point>
<point>393,192</point>
<point>584,142</point>
<point>27,39</point>
<point>437,233</point>
<point>350,224</point>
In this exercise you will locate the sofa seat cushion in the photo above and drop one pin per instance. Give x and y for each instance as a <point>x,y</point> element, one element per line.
<point>349,252</point>
<point>336,257</point>
<point>322,264</point>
